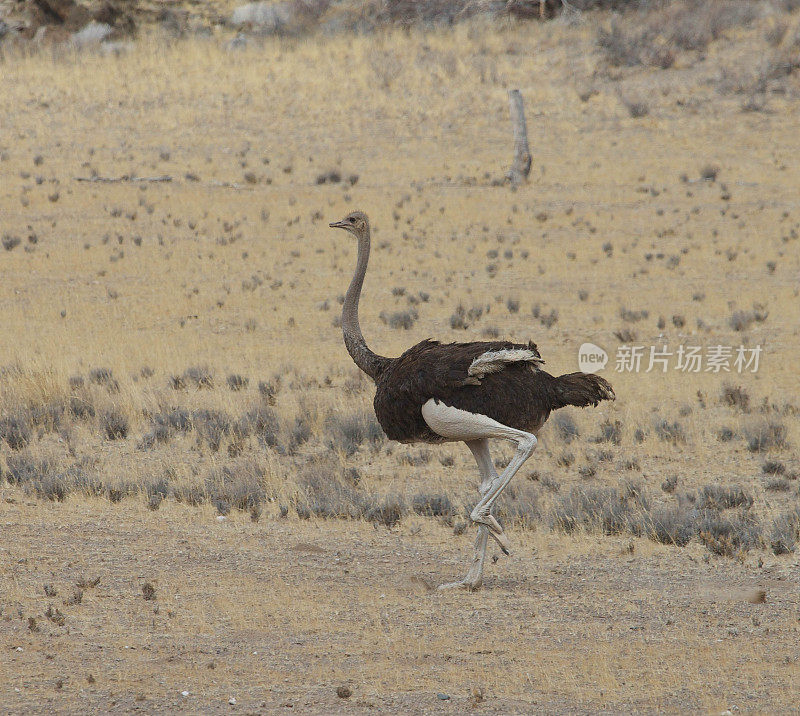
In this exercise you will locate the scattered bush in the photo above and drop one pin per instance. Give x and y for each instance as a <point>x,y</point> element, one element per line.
<point>669,525</point>
<point>603,508</point>
<point>431,505</point>
<point>399,319</point>
<point>723,497</point>
<point>114,424</point>
<point>10,242</point>
<point>565,427</point>
<point>518,505</point>
<point>211,426</point>
<point>726,536</point>
<point>765,435</point>
<point>240,485</point>
<point>670,432</point>
<point>463,318</point>
<point>785,532</point>
<point>349,432</point>
<point>15,431</point>
<point>237,382</point>
<point>388,511</point>
<point>735,396</point>
<point>199,377</point>
<point>610,432</point>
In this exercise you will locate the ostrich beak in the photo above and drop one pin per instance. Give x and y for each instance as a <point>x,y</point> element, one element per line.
<point>338,225</point>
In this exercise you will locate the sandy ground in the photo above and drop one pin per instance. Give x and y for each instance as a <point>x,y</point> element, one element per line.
<point>282,613</point>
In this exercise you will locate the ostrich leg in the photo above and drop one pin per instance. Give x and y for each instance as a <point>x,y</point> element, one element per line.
<point>474,578</point>
<point>483,510</point>
<point>456,424</point>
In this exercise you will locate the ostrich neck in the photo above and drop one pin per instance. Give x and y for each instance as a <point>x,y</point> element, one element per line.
<point>371,363</point>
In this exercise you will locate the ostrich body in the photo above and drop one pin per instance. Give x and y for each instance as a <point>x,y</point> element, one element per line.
<point>468,392</point>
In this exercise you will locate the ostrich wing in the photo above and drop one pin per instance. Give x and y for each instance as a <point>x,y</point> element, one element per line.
<point>436,369</point>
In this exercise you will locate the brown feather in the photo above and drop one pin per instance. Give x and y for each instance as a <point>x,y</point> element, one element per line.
<point>520,395</point>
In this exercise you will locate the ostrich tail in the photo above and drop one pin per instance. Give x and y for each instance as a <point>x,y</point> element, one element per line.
<point>581,389</point>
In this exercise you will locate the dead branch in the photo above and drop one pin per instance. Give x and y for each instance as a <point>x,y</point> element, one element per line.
<point>522,156</point>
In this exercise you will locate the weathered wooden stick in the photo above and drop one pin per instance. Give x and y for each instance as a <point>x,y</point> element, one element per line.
<point>522,156</point>
<point>124,177</point>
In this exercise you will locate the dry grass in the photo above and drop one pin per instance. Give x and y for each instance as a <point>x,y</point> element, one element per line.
<point>170,353</point>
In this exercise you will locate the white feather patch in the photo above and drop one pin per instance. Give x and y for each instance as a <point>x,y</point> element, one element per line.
<point>495,361</point>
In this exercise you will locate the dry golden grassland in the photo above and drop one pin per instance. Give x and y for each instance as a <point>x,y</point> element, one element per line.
<point>170,356</point>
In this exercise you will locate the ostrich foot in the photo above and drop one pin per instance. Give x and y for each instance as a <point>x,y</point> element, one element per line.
<point>493,528</point>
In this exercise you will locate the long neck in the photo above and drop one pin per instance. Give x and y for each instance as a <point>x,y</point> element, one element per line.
<point>371,363</point>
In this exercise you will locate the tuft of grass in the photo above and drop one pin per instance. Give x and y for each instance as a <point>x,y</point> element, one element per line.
<point>764,435</point>
<point>778,484</point>
<point>239,485</point>
<point>734,396</point>
<point>724,497</point>
<point>349,432</point>
<point>674,525</point>
<point>565,427</point>
<point>211,426</point>
<point>599,508</point>
<point>114,424</point>
<point>670,432</point>
<point>432,505</point>
<point>773,467</point>
<point>104,378</point>
<point>15,432</point>
<point>237,382</point>
<point>729,536</point>
<point>785,532</point>
<point>399,319</point>
<point>200,377</point>
<point>670,484</point>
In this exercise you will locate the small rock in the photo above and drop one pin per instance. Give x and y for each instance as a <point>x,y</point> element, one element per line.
<point>148,591</point>
<point>443,697</point>
<point>344,692</point>
<point>232,701</point>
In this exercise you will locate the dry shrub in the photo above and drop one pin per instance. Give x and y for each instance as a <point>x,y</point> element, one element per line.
<point>240,485</point>
<point>764,435</point>
<point>349,432</point>
<point>729,536</point>
<point>735,396</point>
<point>785,532</point>
<point>15,431</point>
<point>723,497</point>
<point>432,505</point>
<point>600,508</point>
<point>670,525</point>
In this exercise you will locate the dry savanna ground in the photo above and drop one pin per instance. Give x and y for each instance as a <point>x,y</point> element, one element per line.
<point>195,497</point>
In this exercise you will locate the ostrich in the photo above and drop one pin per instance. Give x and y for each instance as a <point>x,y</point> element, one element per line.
<point>468,392</point>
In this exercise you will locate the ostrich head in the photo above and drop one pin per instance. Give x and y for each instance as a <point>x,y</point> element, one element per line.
<point>355,222</point>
